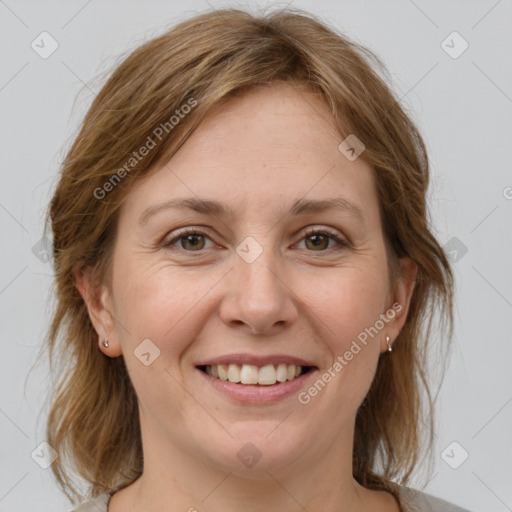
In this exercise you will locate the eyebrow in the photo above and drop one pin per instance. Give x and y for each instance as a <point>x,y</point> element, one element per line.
<point>214,208</point>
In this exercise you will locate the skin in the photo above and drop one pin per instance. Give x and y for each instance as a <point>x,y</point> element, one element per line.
<point>257,154</point>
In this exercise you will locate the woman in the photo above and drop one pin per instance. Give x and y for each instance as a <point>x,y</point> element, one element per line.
<point>246,278</point>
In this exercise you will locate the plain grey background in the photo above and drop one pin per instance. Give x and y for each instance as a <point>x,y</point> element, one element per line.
<point>460,97</point>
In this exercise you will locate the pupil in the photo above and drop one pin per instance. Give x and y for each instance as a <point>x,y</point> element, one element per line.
<point>317,240</point>
<point>192,240</point>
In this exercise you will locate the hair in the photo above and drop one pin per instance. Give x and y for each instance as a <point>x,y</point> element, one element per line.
<point>93,420</point>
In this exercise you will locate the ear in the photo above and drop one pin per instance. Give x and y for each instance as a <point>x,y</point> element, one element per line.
<point>99,307</point>
<point>400,301</point>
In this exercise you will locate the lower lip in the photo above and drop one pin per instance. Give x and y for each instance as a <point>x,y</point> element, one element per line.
<point>258,394</point>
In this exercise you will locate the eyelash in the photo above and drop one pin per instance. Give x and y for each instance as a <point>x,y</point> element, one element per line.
<point>342,243</point>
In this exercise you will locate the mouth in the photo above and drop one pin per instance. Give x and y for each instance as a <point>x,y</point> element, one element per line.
<point>253,375</point>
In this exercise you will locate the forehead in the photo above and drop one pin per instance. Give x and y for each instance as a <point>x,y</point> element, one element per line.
<point>269,146</point>
<point>275,123</point>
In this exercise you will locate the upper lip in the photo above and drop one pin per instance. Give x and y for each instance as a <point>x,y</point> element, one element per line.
<point>256,360</point>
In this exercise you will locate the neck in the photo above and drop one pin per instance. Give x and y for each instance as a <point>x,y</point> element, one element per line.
<point>230,492</point>
<point>173,480</point>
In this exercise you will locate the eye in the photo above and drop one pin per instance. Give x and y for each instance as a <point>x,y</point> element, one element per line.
<point>191,240</point>
<point>318,240</point>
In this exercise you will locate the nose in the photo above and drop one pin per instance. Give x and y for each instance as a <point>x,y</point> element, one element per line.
<point>259,297</point>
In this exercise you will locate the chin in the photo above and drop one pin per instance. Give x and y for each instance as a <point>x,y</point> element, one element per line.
<point>256,448</point>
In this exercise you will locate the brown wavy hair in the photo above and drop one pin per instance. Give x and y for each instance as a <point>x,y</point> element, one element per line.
<point>93,420</point>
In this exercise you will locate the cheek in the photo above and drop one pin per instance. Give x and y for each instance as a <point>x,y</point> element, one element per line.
<point>350,302</point>
<point>355,302</point>
<point>162,303</point>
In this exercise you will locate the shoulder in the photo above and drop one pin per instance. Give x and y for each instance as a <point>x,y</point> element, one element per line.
<point>412,500</point>
<point>98,504</point>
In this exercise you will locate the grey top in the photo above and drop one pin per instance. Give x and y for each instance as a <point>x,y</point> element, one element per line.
<point>410,501</point>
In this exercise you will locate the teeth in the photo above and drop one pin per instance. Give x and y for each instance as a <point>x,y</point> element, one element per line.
<point>250,374</point>
<point>267,375</point>
<point>233,373</point>
<point>281,372</point>
<point>223,372</point>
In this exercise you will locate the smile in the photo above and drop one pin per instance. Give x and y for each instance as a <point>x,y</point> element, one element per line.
<point>248,374</point>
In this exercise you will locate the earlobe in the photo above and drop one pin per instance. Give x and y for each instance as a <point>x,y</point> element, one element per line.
<point>401,301</point>
<point>98,308</point>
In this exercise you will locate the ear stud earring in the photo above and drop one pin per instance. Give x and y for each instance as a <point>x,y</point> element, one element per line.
<point>105,342</point>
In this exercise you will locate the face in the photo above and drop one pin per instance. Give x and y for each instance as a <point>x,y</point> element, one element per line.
<point>227,255</point>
